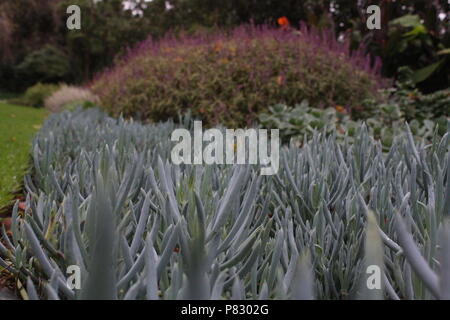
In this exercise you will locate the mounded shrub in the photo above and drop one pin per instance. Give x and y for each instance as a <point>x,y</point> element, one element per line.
<point>48,64</point>
<point>36,95</point>
<point>69,97</point>
<point>233,76</point>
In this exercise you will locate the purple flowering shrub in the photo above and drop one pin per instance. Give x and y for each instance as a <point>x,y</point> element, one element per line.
<point>231,77</point>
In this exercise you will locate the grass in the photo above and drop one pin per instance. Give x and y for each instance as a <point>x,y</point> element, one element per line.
<point>17,128</point>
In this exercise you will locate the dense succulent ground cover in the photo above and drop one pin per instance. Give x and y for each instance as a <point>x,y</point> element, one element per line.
<point>232,76</point>
<point>103,195</point>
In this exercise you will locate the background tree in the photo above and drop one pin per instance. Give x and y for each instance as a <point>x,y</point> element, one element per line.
<point>30,27</point>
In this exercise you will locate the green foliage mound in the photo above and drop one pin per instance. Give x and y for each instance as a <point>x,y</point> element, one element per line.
<point>48,64</point>
<point>36,95</point>
<point>385,123</point>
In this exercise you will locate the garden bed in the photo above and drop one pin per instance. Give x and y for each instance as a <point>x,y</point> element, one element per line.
<point>104,196</point>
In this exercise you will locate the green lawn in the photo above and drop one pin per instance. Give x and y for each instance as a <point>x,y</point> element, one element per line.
<point>17,127</point>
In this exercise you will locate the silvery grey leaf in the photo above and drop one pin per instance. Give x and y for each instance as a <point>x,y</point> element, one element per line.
<point>302,286</point>
<point>444,260</point>
<point>31,290</point>
<point>414,257</point>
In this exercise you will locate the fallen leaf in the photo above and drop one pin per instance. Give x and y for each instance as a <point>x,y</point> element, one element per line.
<point>7,223</point>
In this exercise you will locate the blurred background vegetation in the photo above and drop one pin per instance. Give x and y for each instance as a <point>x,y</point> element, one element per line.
<point>35,45</point>
<point>155,59</point>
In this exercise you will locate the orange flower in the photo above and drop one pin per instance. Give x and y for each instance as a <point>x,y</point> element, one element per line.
<point>411,96</point>
<point>283,22</point>
<point>280,80</point>
<point>340,109</point>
